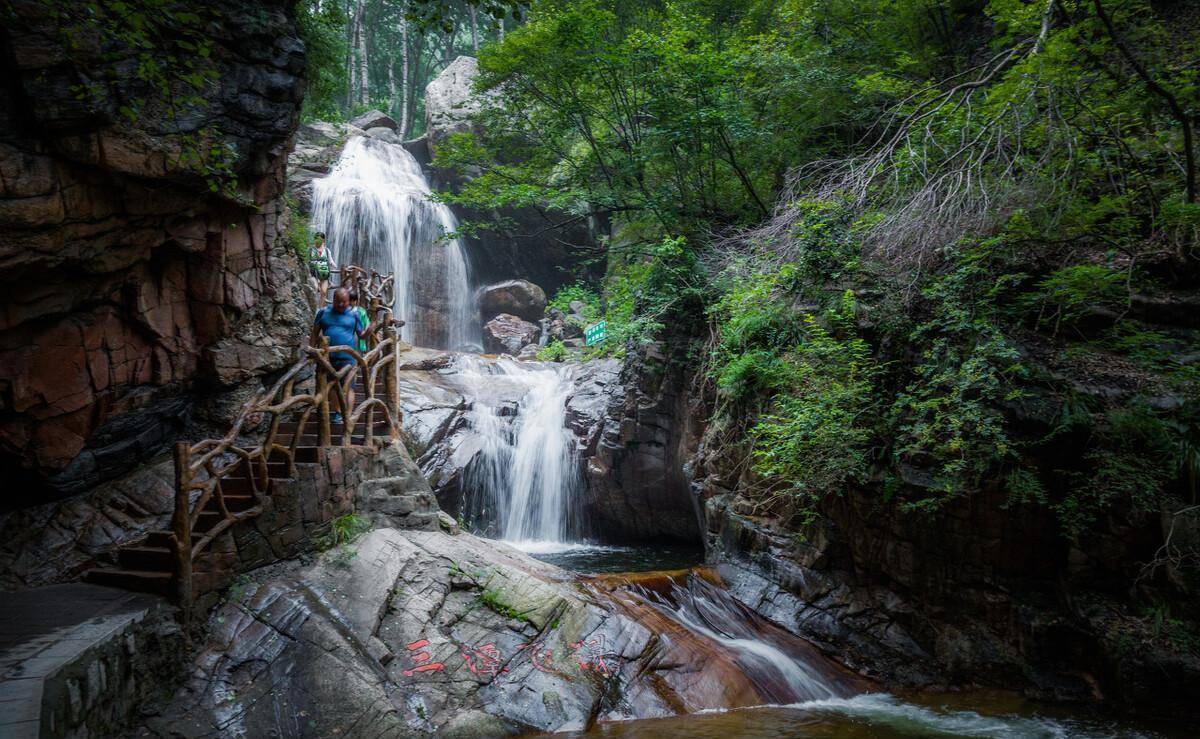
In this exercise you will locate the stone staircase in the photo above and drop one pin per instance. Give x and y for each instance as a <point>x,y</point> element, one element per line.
<point>148,565</point>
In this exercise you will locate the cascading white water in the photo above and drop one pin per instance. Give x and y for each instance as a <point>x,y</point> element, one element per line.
<point>375,210</point>
<point>525,479</point>
<point>710,611</point>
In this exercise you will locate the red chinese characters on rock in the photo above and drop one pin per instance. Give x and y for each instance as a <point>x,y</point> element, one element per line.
<point>485,660</point>
<point>422,659</point>
<point>541,659</point>
<point>594,655</point>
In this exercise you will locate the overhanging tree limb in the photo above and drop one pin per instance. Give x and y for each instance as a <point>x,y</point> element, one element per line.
<point>1168,97</point>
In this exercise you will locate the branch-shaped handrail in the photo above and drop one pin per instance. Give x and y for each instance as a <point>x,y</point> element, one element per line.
<point>303,392</point>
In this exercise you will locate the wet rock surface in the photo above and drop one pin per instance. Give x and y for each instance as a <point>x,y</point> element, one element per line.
<point>506,334</point>
<point>406,632</point>
<point>129,285</point>
<point>636,431</point>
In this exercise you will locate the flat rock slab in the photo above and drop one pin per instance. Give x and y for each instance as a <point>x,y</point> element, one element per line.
<point>407,633</point>
<point>69,657</point>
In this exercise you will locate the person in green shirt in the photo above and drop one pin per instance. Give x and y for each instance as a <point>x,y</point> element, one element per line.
<point>320,265</point>
<point>363,318</point>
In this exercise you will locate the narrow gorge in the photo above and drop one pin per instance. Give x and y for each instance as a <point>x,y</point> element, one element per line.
<point>696,392</point>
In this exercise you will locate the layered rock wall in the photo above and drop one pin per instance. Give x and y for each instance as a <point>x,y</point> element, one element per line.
<point>130,288</point>
<point>636,430</point>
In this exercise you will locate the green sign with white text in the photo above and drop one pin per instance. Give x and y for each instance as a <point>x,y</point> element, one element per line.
<point>595,333</point>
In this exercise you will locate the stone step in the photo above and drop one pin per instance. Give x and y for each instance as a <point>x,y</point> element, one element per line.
<point>147,558</point>
<point>235,502</point>
<point>305,454</point>
<point>158,539</point>
<point>238,485</point>
<point>141,581</point>
<point>312,426</point>
<point>277,468</point>
<point>206,520</point>
<point>335,437</point>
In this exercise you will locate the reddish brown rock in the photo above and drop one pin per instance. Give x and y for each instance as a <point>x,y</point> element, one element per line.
<point>506,334</point>
<point>130,289</point>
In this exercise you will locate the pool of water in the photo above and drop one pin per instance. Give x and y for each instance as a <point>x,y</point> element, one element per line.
<point>591,559</point>
<point>883,716</point>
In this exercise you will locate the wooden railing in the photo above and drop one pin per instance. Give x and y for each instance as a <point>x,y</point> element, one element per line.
<point>300,397</point>
<point>369,283</point>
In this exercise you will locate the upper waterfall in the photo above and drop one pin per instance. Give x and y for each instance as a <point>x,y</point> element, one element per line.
<point>376,211</point>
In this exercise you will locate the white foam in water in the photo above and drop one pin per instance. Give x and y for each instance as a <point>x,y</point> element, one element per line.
<point>561,547</point>
<point>526,478</point>
<point>375,210</point>
<point>881,709</point>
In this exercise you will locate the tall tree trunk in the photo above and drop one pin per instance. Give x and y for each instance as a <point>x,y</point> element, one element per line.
<point>417,73</point>
<point>351,30</point>
<point>391,67</point>
<point>404,79</point>
<point>364,82</point>
<point>1173,105</point>
<point>474,32</point>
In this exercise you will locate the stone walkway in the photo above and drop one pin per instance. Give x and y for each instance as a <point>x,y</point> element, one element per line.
<point>65,651</point>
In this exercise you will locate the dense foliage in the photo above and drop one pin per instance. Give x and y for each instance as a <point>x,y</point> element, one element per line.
<point>941,245</point>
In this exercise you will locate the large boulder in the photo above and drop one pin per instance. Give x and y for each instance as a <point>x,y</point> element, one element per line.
<point>519,298</point>
<point>382,133</point>
<point>506,334</point>
<point>374,119</point>
<point>450,101</point>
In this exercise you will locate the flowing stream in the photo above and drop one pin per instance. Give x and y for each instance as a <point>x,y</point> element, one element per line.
<point>523,486</point>
<point>375,210</point>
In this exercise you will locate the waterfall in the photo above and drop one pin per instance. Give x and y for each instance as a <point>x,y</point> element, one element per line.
<point>523,483</point>
<point>375,210</point>
<point>710,612</point>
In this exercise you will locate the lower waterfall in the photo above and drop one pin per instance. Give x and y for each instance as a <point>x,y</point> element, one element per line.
<point>524,483</point>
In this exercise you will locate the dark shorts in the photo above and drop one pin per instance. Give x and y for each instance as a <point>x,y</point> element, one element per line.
<point>340,360</point>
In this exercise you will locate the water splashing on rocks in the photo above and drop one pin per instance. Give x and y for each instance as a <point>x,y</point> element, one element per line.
<point>525,481</point>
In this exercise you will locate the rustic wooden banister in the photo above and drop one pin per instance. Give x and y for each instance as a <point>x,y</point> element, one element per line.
<point>201,467</point>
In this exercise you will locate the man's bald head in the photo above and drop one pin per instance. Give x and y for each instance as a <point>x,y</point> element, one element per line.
<point>341,299</point>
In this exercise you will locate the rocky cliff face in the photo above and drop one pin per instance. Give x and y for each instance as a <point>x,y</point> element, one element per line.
<point>636,431</point>
<point>132,292</point>
<point>983,592</point>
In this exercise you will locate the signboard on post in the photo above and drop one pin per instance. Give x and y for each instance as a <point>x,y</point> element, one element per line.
<point>595,333</point>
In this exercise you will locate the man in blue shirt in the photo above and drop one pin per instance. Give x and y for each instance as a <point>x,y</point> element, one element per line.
<point>343,326</point>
